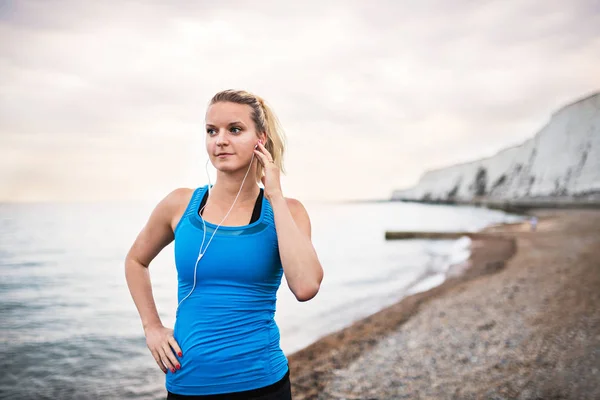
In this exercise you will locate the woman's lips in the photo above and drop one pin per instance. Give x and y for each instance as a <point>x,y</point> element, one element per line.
<point>224,155</point>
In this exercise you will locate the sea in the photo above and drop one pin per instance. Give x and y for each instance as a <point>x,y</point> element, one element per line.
<point>70,330</point>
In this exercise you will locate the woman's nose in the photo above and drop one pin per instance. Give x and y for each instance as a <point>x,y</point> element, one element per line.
<point>220,140</point>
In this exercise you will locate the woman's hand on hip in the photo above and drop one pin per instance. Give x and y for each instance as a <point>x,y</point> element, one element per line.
<point>163,347</point>
<point>271,180</point>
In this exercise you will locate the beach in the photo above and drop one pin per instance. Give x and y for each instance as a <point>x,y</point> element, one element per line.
<point>519,320</point>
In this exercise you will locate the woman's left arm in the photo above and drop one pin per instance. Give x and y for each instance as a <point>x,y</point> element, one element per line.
<point>301,265</point>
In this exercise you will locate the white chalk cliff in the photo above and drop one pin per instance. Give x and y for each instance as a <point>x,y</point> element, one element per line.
<point>562,160</point>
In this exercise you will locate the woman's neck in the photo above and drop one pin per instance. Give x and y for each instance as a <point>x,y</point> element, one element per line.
<point>226,188</point>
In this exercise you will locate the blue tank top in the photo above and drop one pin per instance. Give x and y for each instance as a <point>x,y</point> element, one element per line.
<point>226,327</point>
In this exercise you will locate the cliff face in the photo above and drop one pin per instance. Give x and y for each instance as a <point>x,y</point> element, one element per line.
<point>562,160</point>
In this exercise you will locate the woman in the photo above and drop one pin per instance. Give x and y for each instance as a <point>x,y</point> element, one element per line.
<point>233,243</point>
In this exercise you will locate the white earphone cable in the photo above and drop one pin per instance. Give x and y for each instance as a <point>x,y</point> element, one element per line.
<point>202,252</point>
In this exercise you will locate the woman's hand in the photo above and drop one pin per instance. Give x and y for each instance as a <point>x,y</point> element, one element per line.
<point>270,180</point>
<point>163,347</point>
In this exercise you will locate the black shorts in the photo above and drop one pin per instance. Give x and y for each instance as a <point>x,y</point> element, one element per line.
<point>280,390</point>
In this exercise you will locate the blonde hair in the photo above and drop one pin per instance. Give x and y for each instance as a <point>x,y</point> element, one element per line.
<point>264,120</point>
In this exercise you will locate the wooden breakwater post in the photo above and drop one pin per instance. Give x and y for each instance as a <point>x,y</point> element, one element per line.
<point>401,235</point>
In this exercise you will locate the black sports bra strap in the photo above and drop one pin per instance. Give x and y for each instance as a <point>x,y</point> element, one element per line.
<point>255,212</point>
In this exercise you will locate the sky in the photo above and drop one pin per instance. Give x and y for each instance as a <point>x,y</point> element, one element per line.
<point>106,100</point>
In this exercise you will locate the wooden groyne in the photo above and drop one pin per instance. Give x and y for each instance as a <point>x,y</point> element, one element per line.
<point>400,235</point>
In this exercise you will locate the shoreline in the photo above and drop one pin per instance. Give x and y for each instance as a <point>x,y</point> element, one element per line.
<point>507,276</point>
<point>315,364</point>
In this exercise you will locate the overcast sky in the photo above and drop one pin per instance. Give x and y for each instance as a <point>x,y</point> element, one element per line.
<point>106,99</point>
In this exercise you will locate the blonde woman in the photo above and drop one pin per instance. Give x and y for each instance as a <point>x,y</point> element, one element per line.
<point>233,243</point>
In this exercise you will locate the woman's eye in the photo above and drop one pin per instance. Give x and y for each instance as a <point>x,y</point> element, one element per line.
<point>210,131</point>
<point>235,129</point>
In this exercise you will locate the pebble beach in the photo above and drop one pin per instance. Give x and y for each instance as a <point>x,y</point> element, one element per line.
<point>519,320</point>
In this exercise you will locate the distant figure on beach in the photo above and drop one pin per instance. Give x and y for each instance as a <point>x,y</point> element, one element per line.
<point>233,243</point>
<point>533,221</point>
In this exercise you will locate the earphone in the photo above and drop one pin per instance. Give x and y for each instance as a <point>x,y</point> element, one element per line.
<point>200,251</point>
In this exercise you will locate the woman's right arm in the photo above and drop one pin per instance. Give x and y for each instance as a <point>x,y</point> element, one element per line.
<point>155,236</point>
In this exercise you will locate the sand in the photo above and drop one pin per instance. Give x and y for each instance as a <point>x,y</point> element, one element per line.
<point>520,320</point>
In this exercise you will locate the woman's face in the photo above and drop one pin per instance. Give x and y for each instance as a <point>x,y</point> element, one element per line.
<point>230,135</point>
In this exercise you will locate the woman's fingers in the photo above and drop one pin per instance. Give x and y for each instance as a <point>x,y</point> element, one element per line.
<point>261,157</point>
<point>158,361</point>
<point>172,359</point>
<point>175,346</point>
<point>159,341</point>
<point>265,152</point>
<point>165,359</point>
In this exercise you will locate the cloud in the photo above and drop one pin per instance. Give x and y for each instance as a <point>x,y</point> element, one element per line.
<point>376,92</point>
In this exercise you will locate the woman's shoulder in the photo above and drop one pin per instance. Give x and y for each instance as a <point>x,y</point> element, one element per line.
<point>298,211</point>
<point>300,215</point>
<point>294,205</point>
<point>174,204</point>
<point>179,196</point>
